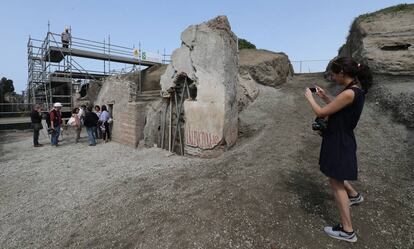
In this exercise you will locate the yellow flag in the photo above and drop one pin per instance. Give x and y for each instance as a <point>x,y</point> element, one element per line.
<point>136,52</point>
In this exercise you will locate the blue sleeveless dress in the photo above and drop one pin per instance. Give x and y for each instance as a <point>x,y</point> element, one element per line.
<point>337,158</point>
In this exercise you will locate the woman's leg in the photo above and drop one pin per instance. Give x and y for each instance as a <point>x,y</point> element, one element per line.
<point>36,136</point>
<point>108,133</point>
<point>104,137</point>
<point>342,201</point>
<point>99,133</point>
<point>77,135</point>
<point>349,189</point>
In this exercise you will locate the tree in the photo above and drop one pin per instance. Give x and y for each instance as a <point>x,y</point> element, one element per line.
<point>243,44</point>
<point>6,85</point>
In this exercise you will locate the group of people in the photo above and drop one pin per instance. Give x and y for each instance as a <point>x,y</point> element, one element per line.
<point>96,122</point>
<point>55,123</point>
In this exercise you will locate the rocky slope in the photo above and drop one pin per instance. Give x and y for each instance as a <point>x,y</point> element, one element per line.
<point>265,67</point>
<point>262,67</point>
<point>384,40</point>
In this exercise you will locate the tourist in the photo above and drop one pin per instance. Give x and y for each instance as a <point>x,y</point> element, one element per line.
<point>96,131</point>
<point>104,121</point>
<point>55,123</point>
<point>91,120</point>
<point>36,117</point>
<point>81,113</point>
<point>338,159</point>
<point>74,121</point>
<point>81,116</point>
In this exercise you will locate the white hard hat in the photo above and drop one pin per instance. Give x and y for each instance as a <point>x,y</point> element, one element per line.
<point>57,104</point>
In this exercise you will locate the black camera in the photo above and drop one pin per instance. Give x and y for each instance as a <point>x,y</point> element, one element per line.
<point>51,131</point>
<point>320,124</point>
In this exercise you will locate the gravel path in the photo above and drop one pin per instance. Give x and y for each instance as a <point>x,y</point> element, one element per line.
<point>265,192</point>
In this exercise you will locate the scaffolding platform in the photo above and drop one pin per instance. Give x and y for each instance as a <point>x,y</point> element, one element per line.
<point>77,75</point>
<point>55,74</point>
<point>57,54</point>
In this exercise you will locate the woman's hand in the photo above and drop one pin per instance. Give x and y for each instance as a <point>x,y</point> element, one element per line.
<point>320,92</point>
<point>308,93</point>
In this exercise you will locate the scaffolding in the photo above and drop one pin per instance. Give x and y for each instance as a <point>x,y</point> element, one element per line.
<point>54,72</point>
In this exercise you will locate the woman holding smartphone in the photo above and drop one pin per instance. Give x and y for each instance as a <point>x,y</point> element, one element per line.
<point>338,159</point>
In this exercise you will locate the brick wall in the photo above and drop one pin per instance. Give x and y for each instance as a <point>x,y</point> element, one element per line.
<point>129,126</point>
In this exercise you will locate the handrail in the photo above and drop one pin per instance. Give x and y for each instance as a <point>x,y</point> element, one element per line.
<point>76,64</point>
<point>308,60</point>
<point>308,63</point>
<point>95,42</point>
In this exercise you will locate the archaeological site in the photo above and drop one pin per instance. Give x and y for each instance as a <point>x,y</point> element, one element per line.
<point>212,146</point>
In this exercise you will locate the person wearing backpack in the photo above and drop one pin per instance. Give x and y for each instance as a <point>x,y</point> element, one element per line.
<point>90,121</point>
<point>55,123</point>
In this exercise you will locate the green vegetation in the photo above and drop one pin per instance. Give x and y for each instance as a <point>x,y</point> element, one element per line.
<point>243,44</point>
<point>6,85</point>
<point>393,9</point>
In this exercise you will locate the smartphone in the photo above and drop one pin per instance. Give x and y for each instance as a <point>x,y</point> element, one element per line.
<point>313,89</point>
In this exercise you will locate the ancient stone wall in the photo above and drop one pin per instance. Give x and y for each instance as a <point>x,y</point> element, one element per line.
<point>117,93</point>
<point>128,106</point>
<point>208,56</point>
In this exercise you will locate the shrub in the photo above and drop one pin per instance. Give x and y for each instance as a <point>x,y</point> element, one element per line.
<point>243,44</point>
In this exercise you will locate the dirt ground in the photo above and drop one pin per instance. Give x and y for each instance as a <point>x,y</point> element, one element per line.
<point>265,192</point>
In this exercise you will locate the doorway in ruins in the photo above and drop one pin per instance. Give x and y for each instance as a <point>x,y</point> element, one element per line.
<point>173,120</point>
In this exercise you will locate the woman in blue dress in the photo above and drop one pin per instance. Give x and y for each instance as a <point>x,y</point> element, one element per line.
<point>337,158</point>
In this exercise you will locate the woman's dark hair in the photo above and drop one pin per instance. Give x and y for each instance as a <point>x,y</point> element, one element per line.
<point>103,108</point>
<point>97,106</point>
<point>358,71</point>
<point>74,111</point>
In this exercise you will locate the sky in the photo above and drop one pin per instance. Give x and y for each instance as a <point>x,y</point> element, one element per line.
<point>304,30</point>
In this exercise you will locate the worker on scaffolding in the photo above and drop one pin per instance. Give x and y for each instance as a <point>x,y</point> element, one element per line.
<point>66,38</point>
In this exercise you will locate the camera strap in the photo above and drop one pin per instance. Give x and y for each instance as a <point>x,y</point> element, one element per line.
<point>354,82</point>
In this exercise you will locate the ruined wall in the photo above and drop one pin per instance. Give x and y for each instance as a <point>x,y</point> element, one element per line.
<point>130,108</point>
<point>117,94</point>
<point>151,77</point>
<point>208,55</point>
<point>384,40</point>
